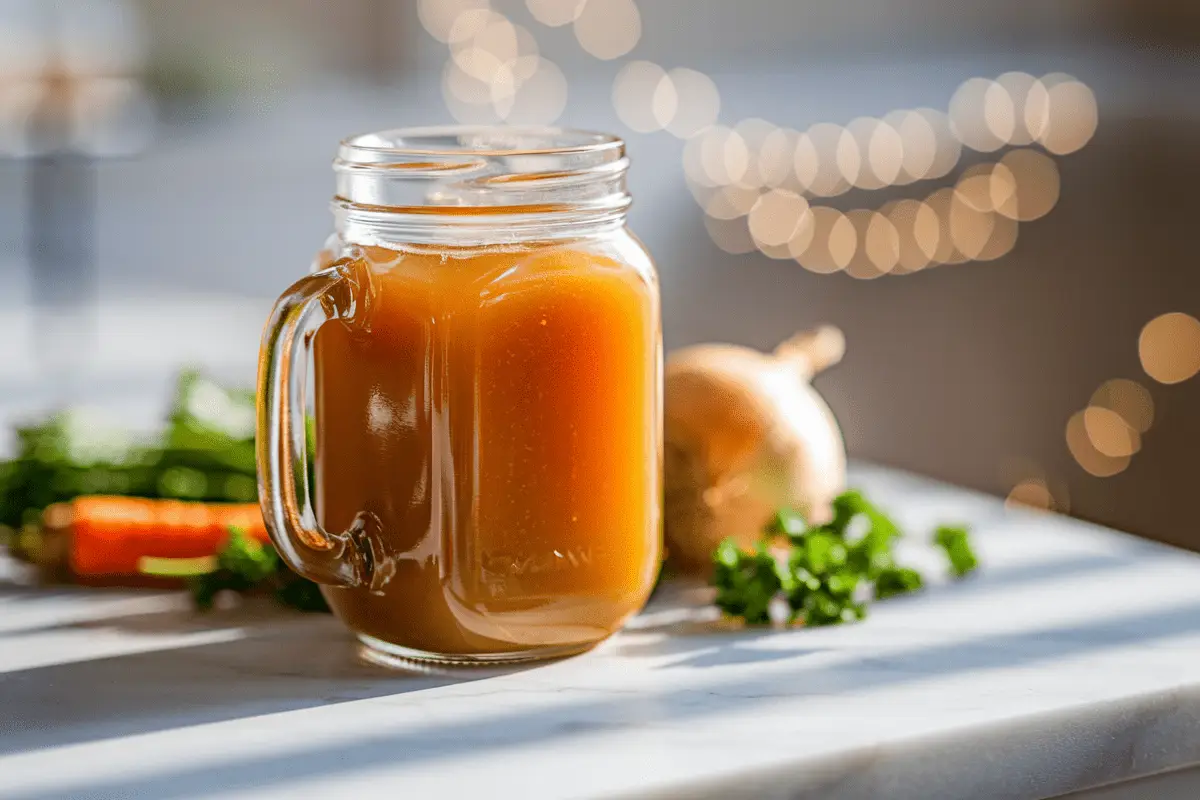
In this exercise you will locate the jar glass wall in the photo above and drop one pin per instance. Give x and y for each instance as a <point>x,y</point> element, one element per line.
<point>488,416</point>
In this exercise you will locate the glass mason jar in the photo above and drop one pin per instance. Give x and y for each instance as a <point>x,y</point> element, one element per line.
<point>487,358</point>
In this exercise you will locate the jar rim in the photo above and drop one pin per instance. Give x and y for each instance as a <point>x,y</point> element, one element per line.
<point>484,141</point>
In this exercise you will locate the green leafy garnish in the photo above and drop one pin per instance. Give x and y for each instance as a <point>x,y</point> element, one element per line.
<point>746,582</point>
<point>895,581</point>
<point>299,593</point>
<point>955,541</point>
<point>245,565</point>
<point>824,573</point>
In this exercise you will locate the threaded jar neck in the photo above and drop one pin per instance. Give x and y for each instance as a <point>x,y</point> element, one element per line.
<point>462,185</point>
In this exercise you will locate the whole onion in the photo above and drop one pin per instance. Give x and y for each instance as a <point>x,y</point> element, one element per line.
<point>746,435</point>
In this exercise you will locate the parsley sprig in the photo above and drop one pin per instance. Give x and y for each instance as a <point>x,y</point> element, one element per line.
<point>825,574</point>
<point>244,566</point>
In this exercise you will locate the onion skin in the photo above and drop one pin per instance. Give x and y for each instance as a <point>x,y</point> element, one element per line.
<point>747,435</point>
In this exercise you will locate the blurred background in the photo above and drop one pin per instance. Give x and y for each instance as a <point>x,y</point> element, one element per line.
<point>993,199</point>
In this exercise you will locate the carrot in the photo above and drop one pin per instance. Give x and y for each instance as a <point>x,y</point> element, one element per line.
<point>110,536</point>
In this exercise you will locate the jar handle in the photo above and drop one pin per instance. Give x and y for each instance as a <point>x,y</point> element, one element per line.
<point>356,556</point>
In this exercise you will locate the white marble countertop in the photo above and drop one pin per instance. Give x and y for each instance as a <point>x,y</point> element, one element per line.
<point>1070,661</point>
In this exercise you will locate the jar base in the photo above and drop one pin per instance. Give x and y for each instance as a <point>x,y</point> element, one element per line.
<point>393,656</point>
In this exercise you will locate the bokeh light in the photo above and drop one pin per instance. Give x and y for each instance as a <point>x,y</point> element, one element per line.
<point>555,13</point>
<point>822,254</point>
<point>977,219</point>
<point>918,144</point>
<point>1018,85</point>
<point>927,235</point>
<point>824,154</point>
<point>974,106</point>
<point>775,158</point>
<point>776,252</point>
<point>527,61</point>
<point>970,228</point>
<point>730,202</point>
<point>843,240</point>
<point>881,244</point>
<point>468,99</point>
<point>1036,181</point>
<point>939,205</point>
<point>806,162</point>
<point>986,236</point>
<point>1033,487</point>
<point>1030,493</point>
<point>802,236</point>
<point>1037,103</point>
<point>1109,433</point>
<point>481,42</point>
<point>974,187</point>
<point>1129,399</point>
<point>1001,240</point>
<point>608,29</point>
<point>495,73</point>
<point>644,97</point>
<point>911,220</point>
<point>948,148</point>
<point>732,236</point>
<point>438,16</point>
<point>724,155</point>
<point>698,104</point>
<point>848,157</point>
<point>1085,453</point>
<point>878,153</point>
<point>775,217</point>
<point>861,172</point>
<point>1002,191</point>
<point>858,264</point>
<point>693,164</point>
<point>999,114</point>
<point>1169,347</point>
<point>753,132</point>
<point>540,99</point>
<point>1070,117</point>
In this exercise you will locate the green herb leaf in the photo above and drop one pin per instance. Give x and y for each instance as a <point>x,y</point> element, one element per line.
<point>746,582</point>
<point>245,565</point>
<point>895,581</point>
<point>788,523</point>
<point>955,541</point>
<point>300,593</point>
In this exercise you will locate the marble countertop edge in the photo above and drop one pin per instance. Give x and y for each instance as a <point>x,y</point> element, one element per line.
<point>1041,755</point>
